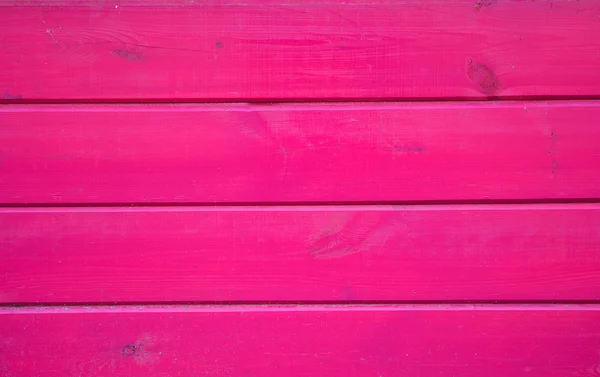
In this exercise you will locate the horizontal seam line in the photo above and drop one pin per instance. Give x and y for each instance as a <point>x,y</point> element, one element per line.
<point>321,100</point>
<point>357,204</point>
<point>341,305</point>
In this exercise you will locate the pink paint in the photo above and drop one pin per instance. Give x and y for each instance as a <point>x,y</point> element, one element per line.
<point>382,341</point>
<point>335,153</point>
<point>290,254</point>
<point>272,50</point>
<point>143,236</point>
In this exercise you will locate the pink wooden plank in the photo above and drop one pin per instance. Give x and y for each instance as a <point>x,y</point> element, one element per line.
<point>250,254</point>
<point>387,152</point>
<point>257,49</point>
<point>536,341</point>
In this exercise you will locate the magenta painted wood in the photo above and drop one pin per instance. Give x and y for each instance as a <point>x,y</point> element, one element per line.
<point>326,49</point>
<point>536,341</point>
<point>336,153</point>
<point>260,254</point>
<point>299,188</point>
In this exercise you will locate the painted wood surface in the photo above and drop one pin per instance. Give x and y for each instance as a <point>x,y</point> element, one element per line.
<point>335,153</point>
<point>535,341</point>
<point>312,237</point>
<point>289,254</point>
<point>326,49</point>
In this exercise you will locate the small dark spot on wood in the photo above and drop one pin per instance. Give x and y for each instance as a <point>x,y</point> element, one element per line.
<point>552,143</point>
<point>127,55</point>
<point>12,96</point>
<point>219,44</point>
<point>483,3</point>
<point>482,76</point>
<point>551,152</point>
<point>128,350</point>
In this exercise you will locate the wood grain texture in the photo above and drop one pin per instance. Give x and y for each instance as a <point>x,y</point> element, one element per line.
<point>257,50</point>
<point>336,153</point>
<point>323,254</point>
<point>301,341</point>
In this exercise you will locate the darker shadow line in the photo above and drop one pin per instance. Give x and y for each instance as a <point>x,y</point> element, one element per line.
<point>253,303</point>
<point>302,203</point>
<point>263,101</point>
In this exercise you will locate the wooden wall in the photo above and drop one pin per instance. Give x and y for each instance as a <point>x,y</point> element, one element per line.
<point>300,188</point>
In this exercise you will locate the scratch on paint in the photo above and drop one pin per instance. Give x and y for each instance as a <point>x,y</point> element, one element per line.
<point>49,31</point>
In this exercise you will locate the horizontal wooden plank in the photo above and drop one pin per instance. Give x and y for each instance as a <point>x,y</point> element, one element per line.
<point>290,254</point>
<point>387,152</point>
<point>257,50</point>
<point>296,341</point>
